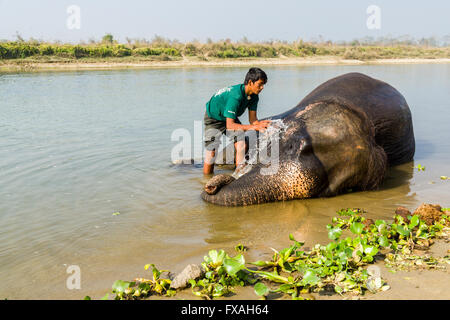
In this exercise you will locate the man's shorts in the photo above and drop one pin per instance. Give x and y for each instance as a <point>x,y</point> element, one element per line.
<point>214,129</point>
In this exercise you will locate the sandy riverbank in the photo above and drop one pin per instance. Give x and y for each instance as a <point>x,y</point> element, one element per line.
<point>26,65</point>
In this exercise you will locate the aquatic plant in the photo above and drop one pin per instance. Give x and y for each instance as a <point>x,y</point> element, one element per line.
<point>340,267</point>
<point>419,167</point>
<point>141,287</point>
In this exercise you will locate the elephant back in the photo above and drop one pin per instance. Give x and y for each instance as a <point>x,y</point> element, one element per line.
<point>384,106</point>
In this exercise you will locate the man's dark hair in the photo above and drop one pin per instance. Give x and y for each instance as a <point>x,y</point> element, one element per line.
<point>255,74</point>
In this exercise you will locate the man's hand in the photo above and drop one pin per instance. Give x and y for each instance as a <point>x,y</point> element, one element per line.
<point>256,125</point>
<point>261,125</point>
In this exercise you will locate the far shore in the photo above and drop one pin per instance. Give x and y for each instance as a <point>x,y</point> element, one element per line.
<point>27,65</point>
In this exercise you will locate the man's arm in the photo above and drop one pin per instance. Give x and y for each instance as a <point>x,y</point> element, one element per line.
<point>232,125</point>
<point>252,116</point>
<point>253,119</point>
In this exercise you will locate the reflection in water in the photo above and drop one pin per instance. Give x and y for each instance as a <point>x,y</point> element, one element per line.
<point>424,149</point>
<point>399,177</point>
<point>304,218</point>
<point>253,223</point>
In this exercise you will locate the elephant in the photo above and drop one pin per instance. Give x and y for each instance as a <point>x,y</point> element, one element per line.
<point>341,137</point>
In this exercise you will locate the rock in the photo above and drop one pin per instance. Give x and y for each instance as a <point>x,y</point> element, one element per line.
<point>403,212</point>
<point>192,271</point>
<point>367,223</point>
<point>429,213</point>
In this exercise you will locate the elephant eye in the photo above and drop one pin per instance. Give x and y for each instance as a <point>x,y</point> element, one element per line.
<point>302,144</point>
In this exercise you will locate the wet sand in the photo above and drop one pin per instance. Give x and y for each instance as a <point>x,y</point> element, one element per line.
<point>31,65</point>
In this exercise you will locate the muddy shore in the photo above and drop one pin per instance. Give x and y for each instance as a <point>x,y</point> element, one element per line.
<point>27,65</point>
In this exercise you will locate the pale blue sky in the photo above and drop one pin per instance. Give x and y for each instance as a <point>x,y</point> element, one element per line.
<point>199,19</point>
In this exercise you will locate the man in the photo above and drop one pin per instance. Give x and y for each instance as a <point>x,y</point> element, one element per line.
<point>223,110</point>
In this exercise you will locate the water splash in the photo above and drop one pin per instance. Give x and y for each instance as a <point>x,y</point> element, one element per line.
<point>274,131</point>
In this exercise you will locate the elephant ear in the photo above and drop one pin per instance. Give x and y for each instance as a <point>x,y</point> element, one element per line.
<point>217,182</point>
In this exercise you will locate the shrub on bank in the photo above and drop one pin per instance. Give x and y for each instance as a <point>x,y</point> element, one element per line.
<point>156,52</point>
<point>242,51</point>
<point>222,50</point>
<point>17,50</point>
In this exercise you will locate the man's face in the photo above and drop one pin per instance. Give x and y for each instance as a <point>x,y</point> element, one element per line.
<point>256,87</point>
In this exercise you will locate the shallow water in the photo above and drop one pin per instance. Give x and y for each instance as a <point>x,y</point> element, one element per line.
<point>77,147</point>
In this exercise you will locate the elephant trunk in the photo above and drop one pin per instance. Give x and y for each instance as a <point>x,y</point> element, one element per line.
<point>244,191</point>
<point>291,181</point>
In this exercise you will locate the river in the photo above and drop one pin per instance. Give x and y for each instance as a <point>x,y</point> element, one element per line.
<point>86,176</point>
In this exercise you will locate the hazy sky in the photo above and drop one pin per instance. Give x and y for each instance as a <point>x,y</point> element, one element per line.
<point>234,19</point>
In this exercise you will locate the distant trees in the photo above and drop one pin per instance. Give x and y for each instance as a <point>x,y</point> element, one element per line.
<point>366,48</point>
<point>108,39</point>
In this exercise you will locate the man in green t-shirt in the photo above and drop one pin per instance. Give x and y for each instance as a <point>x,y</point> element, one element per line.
<point>223,110</point>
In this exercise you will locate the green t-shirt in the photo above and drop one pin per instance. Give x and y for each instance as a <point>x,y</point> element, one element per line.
<point>231,102</point>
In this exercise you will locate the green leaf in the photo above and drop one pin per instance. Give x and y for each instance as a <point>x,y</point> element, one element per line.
<point>334,233</point>
<point>105,297</point>
<point>261,263</point>
<point>402,230</point>
<point>342,257</point>
<point>346,212</point>
<point>310,277</point>
<point>286,288</point>
<point>87,298</point>
<point>215,258</point>
<point>233,265</point>
<point>286,253</point>
<point>356,227</point>
<point>331,246</point>
<point>261,289</point>
<point>240,248</point>
<point>192,282</point>
<point>370,250</point>
<point>120,285</point>
<point>414,222</point>
<point>419,167</point>
<point>270,276</point>
<point>156,273</point>
<point>379,222</point>
<point>213,255</point>
<point>383,241</point>
<point>171,292</point>
<point>219,290</point>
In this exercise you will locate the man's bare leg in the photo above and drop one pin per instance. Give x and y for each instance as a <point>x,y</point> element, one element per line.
<point>240,152</point>
<point>208,165</point>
